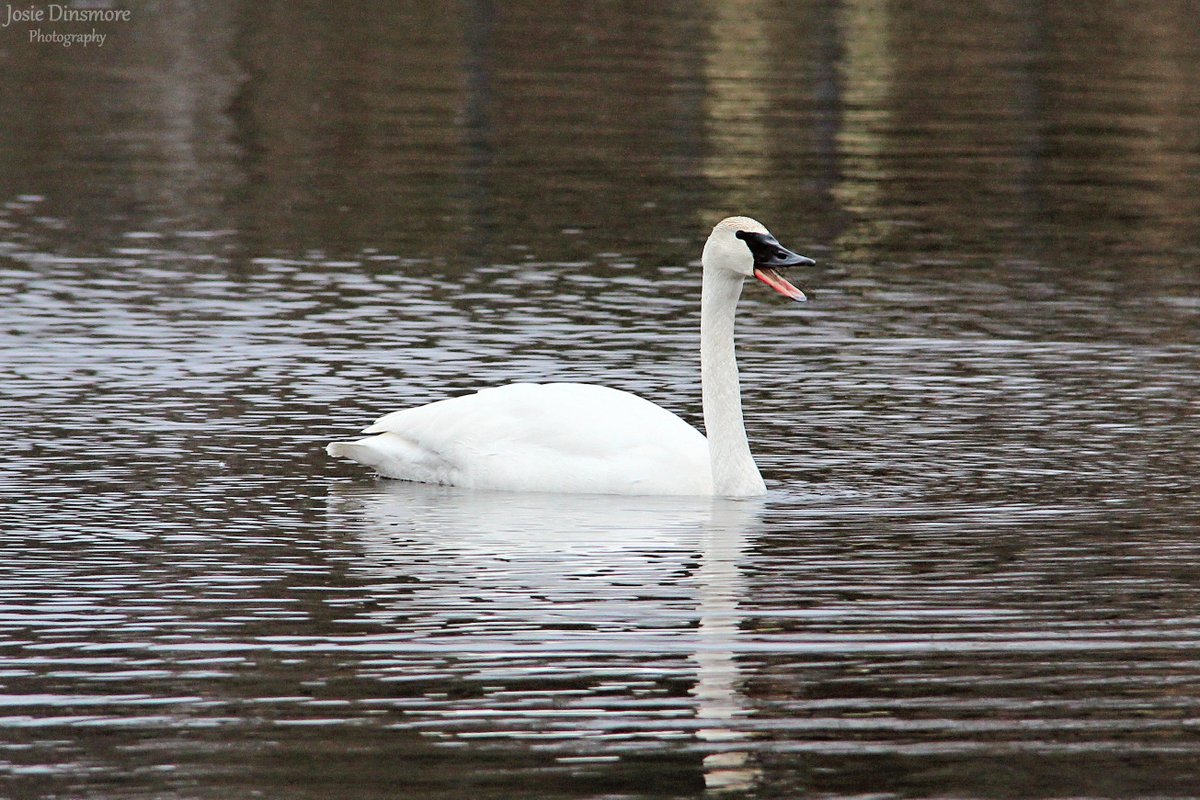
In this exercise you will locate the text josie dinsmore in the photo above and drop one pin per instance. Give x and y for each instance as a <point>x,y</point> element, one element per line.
<point>55,12</point>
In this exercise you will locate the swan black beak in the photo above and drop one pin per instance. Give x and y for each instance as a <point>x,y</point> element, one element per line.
<point>769,257</point>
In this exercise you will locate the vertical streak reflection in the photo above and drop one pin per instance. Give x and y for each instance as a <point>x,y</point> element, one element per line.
<point>867,78</point>
<point>736,69</point>
<point>720,703</point>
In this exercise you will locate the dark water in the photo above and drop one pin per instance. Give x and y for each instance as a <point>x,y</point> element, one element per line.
<point>238,231</point>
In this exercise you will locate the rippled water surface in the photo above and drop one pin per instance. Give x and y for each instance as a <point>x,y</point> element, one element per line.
<point>234,233</point>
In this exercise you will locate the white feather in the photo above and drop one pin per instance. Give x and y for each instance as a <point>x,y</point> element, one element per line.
<point>553,437</point>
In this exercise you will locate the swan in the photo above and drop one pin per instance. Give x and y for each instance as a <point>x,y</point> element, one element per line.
<point>584,438</point>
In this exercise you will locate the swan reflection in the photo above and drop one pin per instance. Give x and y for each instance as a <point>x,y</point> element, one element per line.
<point>548,575</point>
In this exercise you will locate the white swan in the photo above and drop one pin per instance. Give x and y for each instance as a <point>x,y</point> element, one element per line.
<point>575,437</point>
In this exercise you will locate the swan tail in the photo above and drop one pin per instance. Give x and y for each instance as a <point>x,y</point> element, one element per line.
<point>395,456</point>
<point>355,451</point>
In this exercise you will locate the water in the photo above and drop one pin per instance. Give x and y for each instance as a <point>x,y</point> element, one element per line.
<point>975,574</point>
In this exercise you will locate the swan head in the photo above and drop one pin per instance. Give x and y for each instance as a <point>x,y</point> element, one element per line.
<point>744,247</point>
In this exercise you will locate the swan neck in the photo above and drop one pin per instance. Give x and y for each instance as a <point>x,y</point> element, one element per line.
<point>734,472</point>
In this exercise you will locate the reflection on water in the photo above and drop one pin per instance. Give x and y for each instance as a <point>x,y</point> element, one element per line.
<point>499,576</point>
<point>720,703</point>
<point>973,576</point>
<point>737,107</point>
<point>865,76</point>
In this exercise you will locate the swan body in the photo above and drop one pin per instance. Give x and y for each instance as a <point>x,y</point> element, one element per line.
<point>583,438</point>
<point>549,437</point>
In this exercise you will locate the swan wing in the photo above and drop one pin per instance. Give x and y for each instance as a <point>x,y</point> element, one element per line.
<point>554,437</point>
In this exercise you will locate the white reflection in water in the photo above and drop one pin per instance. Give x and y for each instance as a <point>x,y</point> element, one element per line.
<point>718,678</point>
<point>570,574</point>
